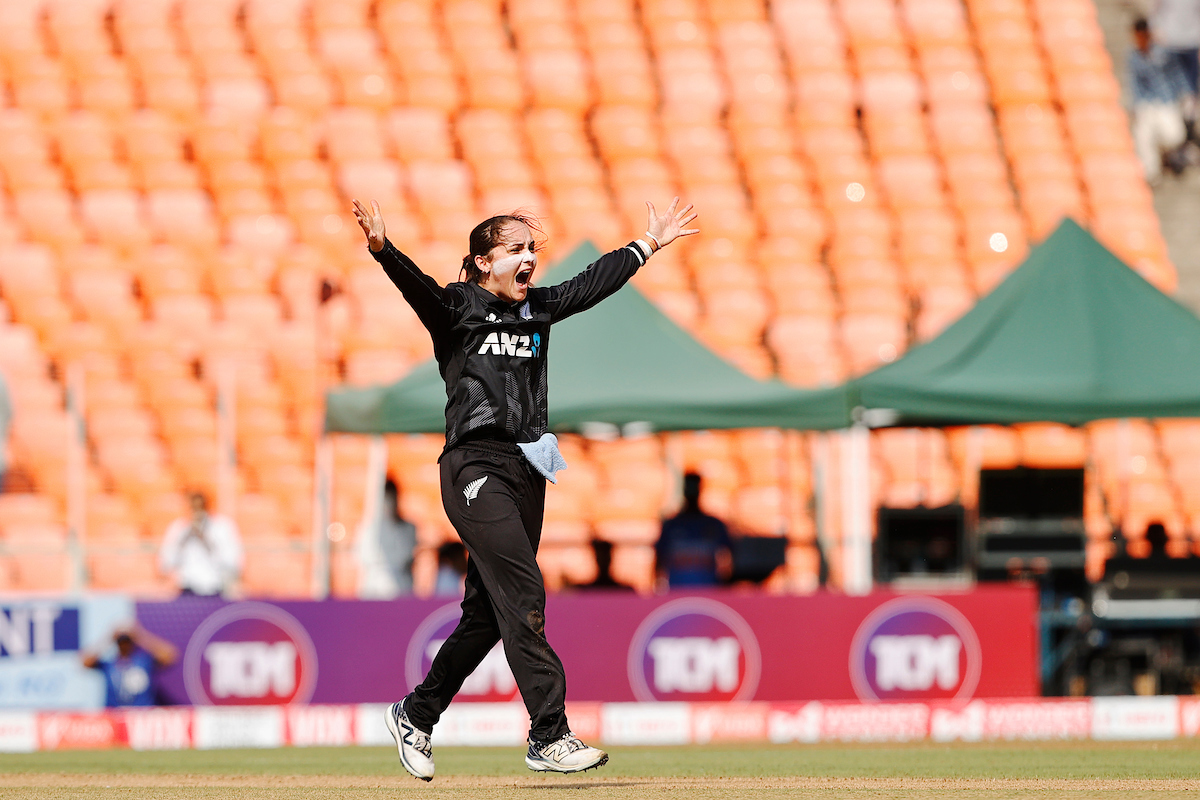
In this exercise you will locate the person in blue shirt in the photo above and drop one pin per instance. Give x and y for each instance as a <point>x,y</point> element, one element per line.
<point>1159,90</point>
<point>129,676</point>
<point>694,548</point>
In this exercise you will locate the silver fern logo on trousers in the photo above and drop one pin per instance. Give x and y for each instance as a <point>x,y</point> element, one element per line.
<point>472,490</point>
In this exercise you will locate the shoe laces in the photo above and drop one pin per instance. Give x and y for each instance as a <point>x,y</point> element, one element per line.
<point>420,743</point>
<point>565,744</point>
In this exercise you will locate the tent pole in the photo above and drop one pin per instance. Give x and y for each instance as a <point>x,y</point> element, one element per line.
<point>322,501</point>
<point>76,480</point>
<point>374,580</point>
<point>820,468</point>
<point>969,494</point>
<point>856,509</point>
<point>1124,446</point>
<point>227,441</point>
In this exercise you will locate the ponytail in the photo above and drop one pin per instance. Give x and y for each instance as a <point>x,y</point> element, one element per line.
<point>473,273</point>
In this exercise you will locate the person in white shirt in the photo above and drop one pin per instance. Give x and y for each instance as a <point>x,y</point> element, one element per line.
<point>202,551</point>
<point>1176,28</point>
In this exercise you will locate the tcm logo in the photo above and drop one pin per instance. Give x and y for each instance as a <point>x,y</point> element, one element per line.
<point>251,669</point>
<point>492,680</point>
<point>694,649</point>
<point>695,664</point>
<point>516,344</point>
<point>38,629</point>
<point>250,654</point>
<point>915,649</point>
<point>916,663</point>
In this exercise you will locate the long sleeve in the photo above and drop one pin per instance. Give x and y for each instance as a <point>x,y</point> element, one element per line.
<point>168,554</point>
<point>227,544</point>
<point>1137,78</point>
<point>1178,82</point>
<point>598,280</point>
<point>1154,79</point>
<point>433,304</point>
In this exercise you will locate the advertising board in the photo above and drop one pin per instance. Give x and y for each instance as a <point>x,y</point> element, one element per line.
<point>41,639</point>
<point>694,648</point>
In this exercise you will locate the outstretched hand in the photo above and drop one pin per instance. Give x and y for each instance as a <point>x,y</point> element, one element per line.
<point>671,225</point>
<point>371,221</point>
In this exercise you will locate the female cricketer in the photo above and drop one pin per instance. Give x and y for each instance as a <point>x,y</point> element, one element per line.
<point>490,335</point>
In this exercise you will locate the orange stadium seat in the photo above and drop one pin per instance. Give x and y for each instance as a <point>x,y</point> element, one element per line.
<point>807,348</point>
<point>224,198</point>
<point>41,570</point>
<point>27,509</point>
<point>634,565</point>
<point>135,572</point>
<point>276,571</point>
<point>1050,446</point>
<point>40,86</point>
<point>420,134</point>
<point>260,517</point>
<point>153,175</point>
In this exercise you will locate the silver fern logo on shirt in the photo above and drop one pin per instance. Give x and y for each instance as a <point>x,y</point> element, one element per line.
<point>472,489</point>
<point>510,344</point>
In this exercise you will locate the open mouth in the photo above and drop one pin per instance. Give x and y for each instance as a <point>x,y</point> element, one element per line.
<point>524,276</point>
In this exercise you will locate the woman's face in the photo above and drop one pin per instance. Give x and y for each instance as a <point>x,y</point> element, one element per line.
<point>509,266</point>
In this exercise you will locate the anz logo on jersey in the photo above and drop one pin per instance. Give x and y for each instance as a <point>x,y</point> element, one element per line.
<point>519,345</point>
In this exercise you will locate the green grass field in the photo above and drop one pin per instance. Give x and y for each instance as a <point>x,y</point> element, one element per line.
<point>1009,770</point>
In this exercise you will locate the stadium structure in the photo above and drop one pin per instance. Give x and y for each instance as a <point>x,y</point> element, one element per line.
<point>182,282</point>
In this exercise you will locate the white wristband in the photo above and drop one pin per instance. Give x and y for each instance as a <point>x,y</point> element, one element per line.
<point>657,243</point>
<point>647,250</point>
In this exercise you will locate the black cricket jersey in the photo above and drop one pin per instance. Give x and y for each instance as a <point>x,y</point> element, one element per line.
<point>491,353</point>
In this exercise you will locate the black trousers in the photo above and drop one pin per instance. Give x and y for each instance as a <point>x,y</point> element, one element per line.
<point>495,500</point>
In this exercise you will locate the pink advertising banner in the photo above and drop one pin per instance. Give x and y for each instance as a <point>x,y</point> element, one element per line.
<point>698,648</point>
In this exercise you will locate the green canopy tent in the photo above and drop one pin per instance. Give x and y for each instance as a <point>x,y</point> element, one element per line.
<point>1073,335</point>
<point>621,362</point>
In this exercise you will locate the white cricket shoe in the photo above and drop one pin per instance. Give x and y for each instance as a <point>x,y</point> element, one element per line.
<point>567,754</point>
<point>416,754</point>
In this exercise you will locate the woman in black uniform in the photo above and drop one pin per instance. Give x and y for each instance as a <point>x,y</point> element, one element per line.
<point>490,334</point>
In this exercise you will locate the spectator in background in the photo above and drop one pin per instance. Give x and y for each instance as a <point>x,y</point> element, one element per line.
<point>1160,89</point>
<point>604,580</point>
<point>385,551</point>
<point>694,548</point>
<point>129,674</point>
<point>1156,540</point>
<point>452,569</point>
<point>1176,28</point>
<point>202,551</point>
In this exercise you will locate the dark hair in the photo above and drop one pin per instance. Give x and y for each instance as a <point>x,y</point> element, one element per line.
<point>1141,25</point>
<point>486,235</point>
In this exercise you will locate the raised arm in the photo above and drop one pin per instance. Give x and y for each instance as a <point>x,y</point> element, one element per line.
<point>420,291</point>
<point>162,651</point>
<point>611,271</point>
